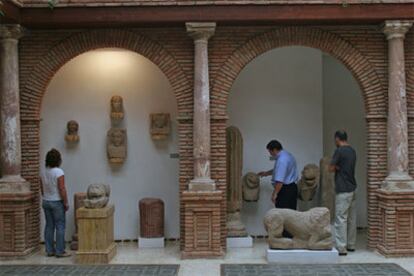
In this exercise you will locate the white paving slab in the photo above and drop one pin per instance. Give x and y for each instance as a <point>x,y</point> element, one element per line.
<point>301,256</point>
<point>239,242</point>
<point>151,242</point>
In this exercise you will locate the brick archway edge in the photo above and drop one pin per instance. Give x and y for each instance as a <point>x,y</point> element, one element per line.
<point>344,51</point>
<point>33,89</point>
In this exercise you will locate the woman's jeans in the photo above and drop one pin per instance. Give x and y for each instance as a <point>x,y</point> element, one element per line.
<point>55,220</point>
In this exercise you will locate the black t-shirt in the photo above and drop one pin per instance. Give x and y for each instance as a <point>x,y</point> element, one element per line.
<point>344,159</point>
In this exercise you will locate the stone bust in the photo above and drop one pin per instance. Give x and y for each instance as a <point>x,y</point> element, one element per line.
<point>72,128</point>
<point>251,187</point>
<point>117,108</point>
<point>116,145</point>
<point>160,126</point>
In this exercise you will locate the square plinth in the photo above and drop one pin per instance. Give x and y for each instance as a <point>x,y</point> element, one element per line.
<point>95,235</point>
<point>151,242</point>
<point>239,242</point>
<point>302,256</point>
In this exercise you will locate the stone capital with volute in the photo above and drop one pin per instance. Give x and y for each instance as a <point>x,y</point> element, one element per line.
<point>201,32</point>
<point>11,31</point>
<point>396,28</point>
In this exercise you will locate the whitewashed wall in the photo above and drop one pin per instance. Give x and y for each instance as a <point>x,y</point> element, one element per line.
<point>81,90</point>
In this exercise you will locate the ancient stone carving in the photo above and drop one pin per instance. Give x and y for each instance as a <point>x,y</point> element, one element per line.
<point>97,196</point>
<point>327,186</point>
<point>309,230</point>
<point>72,132</point>
<point>160,126</point>
<point>78,199</point>
<point>151,211</point>
<point>251,187</point>
<point>117,108</point>
<point>116,145</point>
<point>309,182</point>
<point>235,227</point>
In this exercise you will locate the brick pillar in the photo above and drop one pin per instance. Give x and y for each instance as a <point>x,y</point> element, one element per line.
<point>202,212</point>
<point>396,197</point>
<point>16,199</point>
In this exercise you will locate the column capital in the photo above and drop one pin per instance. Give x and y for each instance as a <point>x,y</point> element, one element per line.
<point>200,30</point>
<point>396,28</point>
<point>11,31</point>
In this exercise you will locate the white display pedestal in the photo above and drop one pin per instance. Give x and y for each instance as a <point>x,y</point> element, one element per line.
<point>239,242</point>
<point>302,256</point>
<point>151,242</point>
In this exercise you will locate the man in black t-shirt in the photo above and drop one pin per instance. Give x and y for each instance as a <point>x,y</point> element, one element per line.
<point>343,164</point>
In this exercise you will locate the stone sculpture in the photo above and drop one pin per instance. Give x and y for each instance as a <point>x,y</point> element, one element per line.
<point>117,108</point>
<point>234,141</point>
<point>309,230</point>
<point>251,187</point>
<point>78,199</point>
<point>309,182</point>
<point>72,128</point>
<point>116,145</point>
<point>97,196</point>
<point>151,212</point>
<point>327,186</point>
<point>160,126</point>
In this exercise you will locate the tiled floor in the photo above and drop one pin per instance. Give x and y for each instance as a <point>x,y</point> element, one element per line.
<point>128,253</point>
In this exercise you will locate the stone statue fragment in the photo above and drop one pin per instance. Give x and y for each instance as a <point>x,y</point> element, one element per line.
<point>151,211</point>
<point>117,108</point>
<point>160,126</point>
<point>309,182</point>
<point>116,145</point>
<point>72,128</point>
<point>309,230</point>
<point>97,196</point>
<point>234,141</point>
<point>251,187</point>
<point>78,200</point>
<point>327,186</point>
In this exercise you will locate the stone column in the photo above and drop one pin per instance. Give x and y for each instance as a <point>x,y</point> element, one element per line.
<point>201,32</point>
<point>10,157</point>
<point>398,177</point>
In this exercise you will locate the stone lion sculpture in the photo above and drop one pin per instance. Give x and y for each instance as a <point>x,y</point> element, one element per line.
<point>309,182</point>
<point>309,230</point>
<point>97,196</point>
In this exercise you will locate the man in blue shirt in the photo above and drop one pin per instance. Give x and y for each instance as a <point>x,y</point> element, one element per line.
<point>284,176</point>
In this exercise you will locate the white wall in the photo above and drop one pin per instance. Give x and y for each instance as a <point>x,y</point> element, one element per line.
<point>277,96</point>
<point>343,107</point>
<point>81,90</point>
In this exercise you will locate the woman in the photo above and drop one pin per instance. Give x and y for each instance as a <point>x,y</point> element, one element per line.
<point>55,204</point>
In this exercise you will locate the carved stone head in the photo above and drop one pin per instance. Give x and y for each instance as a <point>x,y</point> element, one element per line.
<point>251,187</point>
<point>72,128</point>
<point>97,196</point>
<point>117,108</point>
<point>160,126</point>
<point>116,145</point>
<point>309,182</point>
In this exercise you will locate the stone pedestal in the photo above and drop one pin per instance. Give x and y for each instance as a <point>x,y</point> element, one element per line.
<point>202,213</point>
<point>397,219</point>
<point>16,235</point>
<point>151,242</point>
<point>77,203</point>
<point>239,242</point>
<point>96,235</point>
<point>302,256</point>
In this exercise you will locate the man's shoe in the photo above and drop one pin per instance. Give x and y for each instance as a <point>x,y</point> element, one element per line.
<point>350,249</point>
<point>64,255</point>
<point>50,254</point>
<point>343,253</point>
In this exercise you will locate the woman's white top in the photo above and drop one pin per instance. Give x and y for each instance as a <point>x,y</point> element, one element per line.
<point>50,183</point>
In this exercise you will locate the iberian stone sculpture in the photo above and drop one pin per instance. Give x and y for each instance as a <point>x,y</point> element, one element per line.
<point>116,145</point>
<point>251,187</point>
<point>160,126</point>
<point>97,196</point>
<point>327,186</point>
<point>309,230</point>
<point>72,128</point>
<point>151,212</point>
<point>309,182</point>
<point>117,108</point>
<point>78,200</point>
<point>234,141</point>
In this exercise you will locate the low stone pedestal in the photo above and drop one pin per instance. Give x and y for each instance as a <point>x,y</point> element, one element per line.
<point>151,242</point>
<point>17,236</point>
<point>302,256</point>
<point>396,210</point>
<point>202,224</point>
<point>239,242</point>
<point>96,235</point>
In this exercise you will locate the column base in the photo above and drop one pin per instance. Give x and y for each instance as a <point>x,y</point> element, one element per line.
<point>398,182</point>
<point>14,184</point>
<point>396,209</point>
<point>202,184</point>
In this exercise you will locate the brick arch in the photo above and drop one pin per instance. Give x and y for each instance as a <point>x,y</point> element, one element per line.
<point>34,88</point>
<point>358,64</point>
